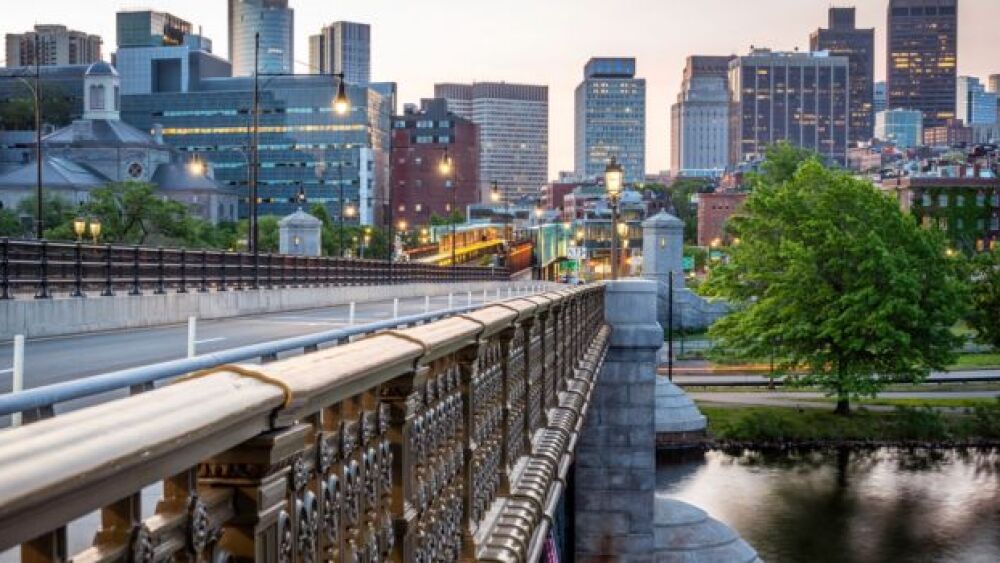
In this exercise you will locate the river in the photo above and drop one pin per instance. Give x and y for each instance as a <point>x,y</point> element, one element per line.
<point>843,506</point>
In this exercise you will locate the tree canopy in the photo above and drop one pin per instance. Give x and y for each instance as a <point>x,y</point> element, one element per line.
<point>833,279</point>
<point>984,313</point>
<point>18,114</point>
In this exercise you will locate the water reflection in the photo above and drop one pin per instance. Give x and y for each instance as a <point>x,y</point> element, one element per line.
<point>850,505</point>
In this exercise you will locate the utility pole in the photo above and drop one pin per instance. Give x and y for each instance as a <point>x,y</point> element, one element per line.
<point>39,223</point>
<point>255,158</point>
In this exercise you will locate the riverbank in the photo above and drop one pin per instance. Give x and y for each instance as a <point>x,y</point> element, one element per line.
<point>779,426</point>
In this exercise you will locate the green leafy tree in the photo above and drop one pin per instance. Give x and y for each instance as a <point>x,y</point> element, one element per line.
<point>781,161</point>
<point>56,212</point>
<point>984,314</point>
<point>18,114</point>
<point>833,279</point>
<point>10,224</point>
<point>681,192</point>
<point>267,234</point>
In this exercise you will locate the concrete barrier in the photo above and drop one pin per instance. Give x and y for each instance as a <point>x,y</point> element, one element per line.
<point>36,318</point>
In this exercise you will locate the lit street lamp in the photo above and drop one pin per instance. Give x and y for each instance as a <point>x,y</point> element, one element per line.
<point>446,167</point>
<point>613,178</point>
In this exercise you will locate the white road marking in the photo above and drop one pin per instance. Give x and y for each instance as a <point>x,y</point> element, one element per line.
<point>207,340</point>
<point>8,370</point>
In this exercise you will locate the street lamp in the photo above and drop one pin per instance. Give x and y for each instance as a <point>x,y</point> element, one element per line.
<point>79,227</point>
<point>613,177</point>
<point>446,167</point>
<point>95,229</point>
<point>196,166</point>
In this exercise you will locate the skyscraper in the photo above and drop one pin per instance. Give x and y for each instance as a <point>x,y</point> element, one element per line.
<point>797,97</point>
<point>611,119</point>
<point>843,38</point>
<point>343,47</point>
<point>879,102</point>
<point>699,125</point>
<point>146,28</point>
<point>513,122</point>
<point>275,23</point>
<point>56,46</point>
<point>923,57</point>
<point>973,104</point>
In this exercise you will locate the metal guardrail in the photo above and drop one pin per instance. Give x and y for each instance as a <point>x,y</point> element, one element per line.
<point>442,442</point>
<point>78,269</point>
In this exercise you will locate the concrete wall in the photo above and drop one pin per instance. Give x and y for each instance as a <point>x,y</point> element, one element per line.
<point>616,461</point>
<point>53,317</point>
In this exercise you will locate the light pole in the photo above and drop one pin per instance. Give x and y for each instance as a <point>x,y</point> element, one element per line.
<point>613,175</point>
<point>36,95</point>
<point>447,170</point>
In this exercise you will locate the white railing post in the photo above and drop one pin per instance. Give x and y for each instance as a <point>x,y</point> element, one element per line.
<point>451,300</point>
<point>470,299</point>
<point>192,335</point>
<point>17,385</point>
<point>510,292</point>
<point>427,304</point>
<point>395,308</point>
<point>350,314</point>
<point>486,295</point>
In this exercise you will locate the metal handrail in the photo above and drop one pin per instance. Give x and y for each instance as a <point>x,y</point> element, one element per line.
<point>50,395</point>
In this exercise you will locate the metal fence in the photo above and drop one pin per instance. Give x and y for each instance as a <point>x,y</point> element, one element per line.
<point>44,268</point>
<point>443,442</point>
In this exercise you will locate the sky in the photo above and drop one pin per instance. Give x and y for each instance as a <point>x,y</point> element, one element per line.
<point>419,42</point>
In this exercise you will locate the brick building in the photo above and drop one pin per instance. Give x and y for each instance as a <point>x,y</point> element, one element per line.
<point>420,137</point>
<point>953,133</point>
<point>714,210</point>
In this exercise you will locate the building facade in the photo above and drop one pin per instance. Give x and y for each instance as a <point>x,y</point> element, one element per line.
<point>146,28</point>
<point>421,138</point>
<point>953,133</point>
<point>610,119</point>
<point>304,147</point>
<point>275,22</point>
<point>879,102</point>
<point>714,211</point>
<point>902,127</point>
<point>843,38</point>
<point>973,104</point>
<point>922,52</point>
<point>801,98</point>
<point>699,121</point>
<point>343,47</point>
<point>56,45</point>
<point>513,121</point>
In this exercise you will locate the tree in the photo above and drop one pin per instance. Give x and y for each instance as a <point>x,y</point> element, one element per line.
<point>18,114</point>
<point>56,211</point>
<point>680,198</point>
<point>984,313</point>
<point>833,278</point>
<point>267,233</point>
<point>10,224</point>
<point>781,161</point>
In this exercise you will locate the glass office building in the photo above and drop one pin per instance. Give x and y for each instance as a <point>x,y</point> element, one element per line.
<point>304,146</point>
<point>275,22</point>
<point>843,38</point>
<point>922,53</point>
<point>903,127</point>
<point>611,119</point>
<point>974,104</point>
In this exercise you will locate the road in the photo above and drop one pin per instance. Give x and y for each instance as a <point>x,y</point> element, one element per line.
<point>57,359</point>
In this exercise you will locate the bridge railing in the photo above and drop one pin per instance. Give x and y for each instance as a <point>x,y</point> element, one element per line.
<point>446,441</point>
<point>43,268</point>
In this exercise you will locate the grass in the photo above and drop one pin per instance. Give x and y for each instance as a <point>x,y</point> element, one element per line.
<point>906,423</point>
<point>966,361</point>
<point>943,402</point>
<point>899,387</point>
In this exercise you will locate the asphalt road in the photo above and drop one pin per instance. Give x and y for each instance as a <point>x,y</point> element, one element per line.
<point>57,359</point>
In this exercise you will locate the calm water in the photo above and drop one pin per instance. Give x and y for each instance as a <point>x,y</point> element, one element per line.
<point>850,506</point>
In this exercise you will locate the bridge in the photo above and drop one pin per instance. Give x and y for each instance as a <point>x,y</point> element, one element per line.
<point>470,436</point>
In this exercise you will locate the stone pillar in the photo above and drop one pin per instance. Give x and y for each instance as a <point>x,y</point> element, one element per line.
<point>616,462</point>
<point>300,234</point>
<point>663,249</point>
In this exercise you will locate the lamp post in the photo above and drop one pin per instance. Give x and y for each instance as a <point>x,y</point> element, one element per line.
<point>95,229</point>
<point>79,228</point>
<point>36,95</point>
<point>446,168</point>
<point>613,175</point>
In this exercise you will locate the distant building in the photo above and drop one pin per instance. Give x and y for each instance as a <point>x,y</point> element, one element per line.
<point>611,119</point>
<point>275,22</point>
<point>99,149</point>
<point>420,138</point>
<point>157,53</point>
<point>513,122</point>
<point>342,47</point>
<point>554,195</point>
<point>797,97</point>
<point>902,127</point>
<point>879,102</point>
<point>843,38</point>
<point>953,133</point>
<point>146,28</point>
<point>65,81</point>
<point>699,124</point>
<point>922,57</point>
<point>714,211</point>
<point>962,201</point>
<point>57,45</point>
<point>994,83</point>
<point>973,104</point>
<point>864,159</point>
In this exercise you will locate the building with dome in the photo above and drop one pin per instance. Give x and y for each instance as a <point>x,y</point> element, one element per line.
<point>100,148</point>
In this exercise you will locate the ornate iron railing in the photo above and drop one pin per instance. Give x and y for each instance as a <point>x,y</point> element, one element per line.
<point>442,442</point>
<point>42,268</point>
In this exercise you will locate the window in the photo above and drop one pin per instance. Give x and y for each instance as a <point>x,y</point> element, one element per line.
<point>425,124</point>
<point>943,200</point>
<point>117,98</point>
<point>980,199</point>
<point>959,200</point>
<point>97,96</point>
<point>926,200</point>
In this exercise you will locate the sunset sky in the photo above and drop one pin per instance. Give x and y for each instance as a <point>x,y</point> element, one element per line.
<point>419,42</point>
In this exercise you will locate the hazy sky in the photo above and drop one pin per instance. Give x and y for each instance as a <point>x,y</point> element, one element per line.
<point>419,42</point>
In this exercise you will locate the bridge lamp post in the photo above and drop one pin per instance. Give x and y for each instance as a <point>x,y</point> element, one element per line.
<point>446,167</point>
<point>613,178</point>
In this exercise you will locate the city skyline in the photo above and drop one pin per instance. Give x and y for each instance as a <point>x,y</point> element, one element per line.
<point>549,49</point>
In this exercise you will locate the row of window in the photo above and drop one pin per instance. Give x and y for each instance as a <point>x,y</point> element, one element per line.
<point>943,200</point>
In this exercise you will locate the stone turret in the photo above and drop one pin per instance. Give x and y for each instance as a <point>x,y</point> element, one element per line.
<point>299,234</point>
<point>663,248</point>
<point>101,92</point>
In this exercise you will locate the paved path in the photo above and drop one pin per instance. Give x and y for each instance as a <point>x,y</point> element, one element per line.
<point>808,400</point>
<point>717,379</point>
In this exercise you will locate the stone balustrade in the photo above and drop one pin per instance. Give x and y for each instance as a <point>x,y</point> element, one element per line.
<point>442,442</point>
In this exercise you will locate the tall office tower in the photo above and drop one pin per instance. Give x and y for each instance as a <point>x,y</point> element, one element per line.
<point>343,47</point>
<point>611,119</point>
<point>802,98</point>
<point>513,122</point>
<point>158,53</point>
<point>275,22</point>
<point>146,28</point>
<point>922,54</point>
<point>994,82</point>
<point>879,102</point>
<point>699,124</point>
<point>56,46</point>
<point>843,38</point>
<point>973,104</point>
